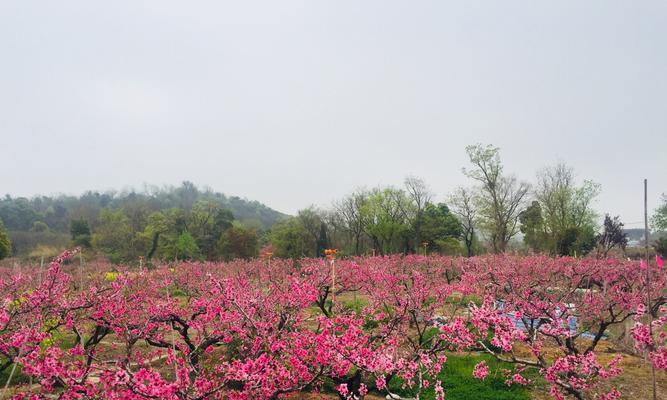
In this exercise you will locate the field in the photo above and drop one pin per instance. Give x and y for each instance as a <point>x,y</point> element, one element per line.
<point>489,327</point>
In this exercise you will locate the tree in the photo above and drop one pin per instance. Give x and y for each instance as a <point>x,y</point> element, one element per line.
<point>532,226</point>
<point>499,198</point>
<point>114,236</point>
<point>385,219</point>
<point>238,242</point>
<point>612,236</point>
<point>186,247</point>
<point>290,239</point>
<point>565,210</point>
<point>5,243</point>
<point>439,225</point>
<point>311,222</point>
<point>532,313</point>
<point>80,232</point>
<point>660,246</point>
<point>336,232</point>
<point>163,231</point>
<point>39,226</point>
<point>534,291</point>
<point>25,217</point>
<point>207,222</point>
<point>186,195</point>
<point>223,220</point>
<point>462,202</point>
<point>157,225</point>
<point>420,195</point>
<point>17,213</point>
<point>350,211</point>
<point>322,240</point>
<point>659,219</point>
<point>300,236</point>
<point>577,241</point>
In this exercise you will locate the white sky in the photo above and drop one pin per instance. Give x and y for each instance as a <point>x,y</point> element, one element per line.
<point>297,103</point>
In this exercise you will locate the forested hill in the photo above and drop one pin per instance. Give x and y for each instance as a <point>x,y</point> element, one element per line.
<point>43,218</point>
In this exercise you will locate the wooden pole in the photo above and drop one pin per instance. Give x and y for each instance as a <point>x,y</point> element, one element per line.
<point>173,346</point>
<point>333,283</point>
<point>41,268</point>
<point>648,281</point>
<point>11,373</point>
<point>81,270</point>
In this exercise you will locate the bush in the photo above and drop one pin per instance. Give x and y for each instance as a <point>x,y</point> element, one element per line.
<point>5,244</point>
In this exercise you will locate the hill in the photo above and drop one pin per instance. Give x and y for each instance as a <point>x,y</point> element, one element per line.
<point>46,219</point>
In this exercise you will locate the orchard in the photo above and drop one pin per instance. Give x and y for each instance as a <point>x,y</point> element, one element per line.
<point>348,328</point>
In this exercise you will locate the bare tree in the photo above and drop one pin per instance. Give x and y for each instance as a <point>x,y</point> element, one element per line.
<point>311,221</point>
<point>500,197</point>
<point>462,204</point>
<point>420,195</point>
<point>349,209</point>
<point>565,207</point>
<point>335,226</point>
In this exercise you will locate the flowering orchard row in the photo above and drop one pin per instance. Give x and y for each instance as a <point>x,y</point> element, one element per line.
<point>263,330</point>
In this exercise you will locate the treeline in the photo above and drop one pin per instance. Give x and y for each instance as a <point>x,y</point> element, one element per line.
<point>377,221</point>
<point>496,213</point>
<point>168,222</point>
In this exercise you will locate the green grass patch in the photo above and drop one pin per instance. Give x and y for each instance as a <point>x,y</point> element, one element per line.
<point>17,378</point>
<point>355,304</point>
<point>459,384</point>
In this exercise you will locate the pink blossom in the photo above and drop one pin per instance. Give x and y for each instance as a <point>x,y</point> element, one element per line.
<point>481,370</point>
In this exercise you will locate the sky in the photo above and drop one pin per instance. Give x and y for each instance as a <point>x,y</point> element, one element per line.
<point>294,103</point>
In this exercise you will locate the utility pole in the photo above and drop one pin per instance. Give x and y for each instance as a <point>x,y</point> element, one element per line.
<point>648,281</point>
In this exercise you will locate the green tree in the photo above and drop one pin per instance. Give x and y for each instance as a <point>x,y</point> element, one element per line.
<point>163,231</point>
<point>224,220</point>
<point>80,232</point>
<point>5,243</point>
<point>576,241</point>
<point>299,236</point>
<point>17,213</point>
<point>349,211</point>
<point>611,236</point>
<point>157,226</point>
<point>567,216</point>
<point>660,246</point>
<point>420,197</point>
<point>185,248</point>
<point>311,222</point>
<point>440,228</point>
<point>659,219</point>
<point>39,226</point>
<point>290,239</point>
<point>500,197</point>
<point>463,205</point>
<point>385,215</point>
<point>207,222</point>
<point>114,236</point>
<point>532,226</point>
<point>322,240</point>
<point>238,242</point>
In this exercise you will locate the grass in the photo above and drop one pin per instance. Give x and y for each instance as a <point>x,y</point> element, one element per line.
<point>16,379</point>
<point>459,384</point>
<point>64,341</point>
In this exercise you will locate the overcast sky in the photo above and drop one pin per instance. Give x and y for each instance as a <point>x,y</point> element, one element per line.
<point>297,103</point>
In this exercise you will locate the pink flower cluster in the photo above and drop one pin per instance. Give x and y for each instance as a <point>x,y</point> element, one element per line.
<point>259,330</point>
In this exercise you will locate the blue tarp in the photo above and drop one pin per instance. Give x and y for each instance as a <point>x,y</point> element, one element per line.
<point>519,323</point>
